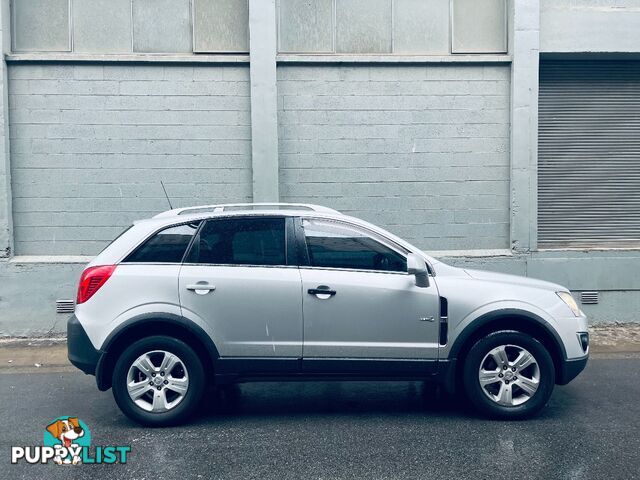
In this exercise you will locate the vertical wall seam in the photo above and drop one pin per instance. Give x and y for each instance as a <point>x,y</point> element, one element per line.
<point>264,115</point>
<point>525,43</point>
<point>6,217</point>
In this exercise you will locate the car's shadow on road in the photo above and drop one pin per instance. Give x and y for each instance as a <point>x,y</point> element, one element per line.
<point>335,398</point>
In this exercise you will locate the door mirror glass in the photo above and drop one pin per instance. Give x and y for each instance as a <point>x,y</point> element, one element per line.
<point>418,267</point>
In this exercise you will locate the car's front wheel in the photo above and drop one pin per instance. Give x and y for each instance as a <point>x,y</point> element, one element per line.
<point>158,381</point>
<point>508,374</point>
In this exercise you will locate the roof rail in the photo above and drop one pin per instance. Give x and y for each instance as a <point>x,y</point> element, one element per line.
<point>244,206</point>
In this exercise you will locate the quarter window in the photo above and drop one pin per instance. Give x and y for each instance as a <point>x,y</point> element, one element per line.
<point>334,245</point>
<point>241,241</point>
<point>166,246</point>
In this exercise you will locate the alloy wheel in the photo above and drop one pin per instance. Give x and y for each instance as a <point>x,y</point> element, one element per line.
<point>509,375</point>
<point>157,381</point>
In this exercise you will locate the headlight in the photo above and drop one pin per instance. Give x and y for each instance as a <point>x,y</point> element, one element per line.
<point>568,299</point>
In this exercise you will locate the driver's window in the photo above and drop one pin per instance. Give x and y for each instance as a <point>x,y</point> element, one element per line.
<point>335,245</point>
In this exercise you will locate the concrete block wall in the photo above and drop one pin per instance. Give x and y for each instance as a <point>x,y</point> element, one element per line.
<point>421,150</point>
<point>28,294</point>
<point>90,144</point>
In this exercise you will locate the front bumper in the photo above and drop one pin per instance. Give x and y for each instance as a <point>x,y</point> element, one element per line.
<point>570,369</point>
<point>80,350</point>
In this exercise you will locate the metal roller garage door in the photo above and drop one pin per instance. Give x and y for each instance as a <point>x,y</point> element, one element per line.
<point>589,154</point>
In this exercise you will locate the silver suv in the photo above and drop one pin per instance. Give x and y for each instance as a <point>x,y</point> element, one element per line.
<point>255,292</point>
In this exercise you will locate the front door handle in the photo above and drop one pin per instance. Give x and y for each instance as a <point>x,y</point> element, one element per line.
<point>201,288</point>
<point>322,291</point>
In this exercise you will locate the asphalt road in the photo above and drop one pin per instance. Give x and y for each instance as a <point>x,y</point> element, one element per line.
<point>399,430</point>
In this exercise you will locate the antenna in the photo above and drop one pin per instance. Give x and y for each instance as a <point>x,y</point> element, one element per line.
<point>165,194</point>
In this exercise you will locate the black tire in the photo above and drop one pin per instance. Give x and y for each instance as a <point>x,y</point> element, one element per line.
<point>475,392</point>
<point>191,399</point>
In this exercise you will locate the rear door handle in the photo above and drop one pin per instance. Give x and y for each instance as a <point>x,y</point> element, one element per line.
<point>201,288</point>
<point>322,290</point>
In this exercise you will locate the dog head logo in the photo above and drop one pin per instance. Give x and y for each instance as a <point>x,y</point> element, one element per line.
<point>67,441</point>
<point>67,435</point>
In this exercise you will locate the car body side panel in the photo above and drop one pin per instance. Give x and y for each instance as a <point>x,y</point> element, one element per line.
<point>372,315</point>
<point>253,311</point>
<point>133,289</point>
<point>470,299</point>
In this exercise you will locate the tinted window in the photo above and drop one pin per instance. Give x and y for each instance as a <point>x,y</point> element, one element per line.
<point>166,246</point>
<point>241,241</point>
<point>338,246</point>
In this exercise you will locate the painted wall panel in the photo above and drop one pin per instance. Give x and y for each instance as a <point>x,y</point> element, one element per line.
<point>421,27</point>
<point>41,25</point>
<point>589,26</point>
<point>479,26</point>
<point>363,26</point>
<point>221,26</point>
<point>161,26</point>
<point>306,26</point>
<point>102,26</point>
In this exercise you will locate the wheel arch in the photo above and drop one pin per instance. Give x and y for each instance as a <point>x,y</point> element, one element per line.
<point>509,319</point>
<point>146,325</point>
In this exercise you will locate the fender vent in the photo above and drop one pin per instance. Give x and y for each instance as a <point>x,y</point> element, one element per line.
<point>65,306</point>
<point>589,298</point>
<point>444,321</point>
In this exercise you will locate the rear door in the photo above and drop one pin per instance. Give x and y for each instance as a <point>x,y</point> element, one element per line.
<point>238,279</point>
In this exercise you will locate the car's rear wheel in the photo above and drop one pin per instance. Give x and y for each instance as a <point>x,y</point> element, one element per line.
<point>158,381</point>
<point>508,374</point>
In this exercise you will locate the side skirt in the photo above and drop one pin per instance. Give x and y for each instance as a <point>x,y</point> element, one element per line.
<point>248,369</point>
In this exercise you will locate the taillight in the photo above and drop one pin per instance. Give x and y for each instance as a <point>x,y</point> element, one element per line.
<point>91,280</point>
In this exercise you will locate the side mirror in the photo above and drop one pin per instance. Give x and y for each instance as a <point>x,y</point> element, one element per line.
<point>418,267</point>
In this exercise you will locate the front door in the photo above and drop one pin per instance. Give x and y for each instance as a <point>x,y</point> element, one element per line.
<point>236,277</point>
<point>360,306</point>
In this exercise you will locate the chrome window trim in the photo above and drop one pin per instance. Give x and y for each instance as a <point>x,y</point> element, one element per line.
<point>149,263</point>
<point>237,265</point>
<point>209,264</point>
<point>357,270</point>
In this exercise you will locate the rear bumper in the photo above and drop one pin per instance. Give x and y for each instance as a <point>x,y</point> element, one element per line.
<point>80,350</point>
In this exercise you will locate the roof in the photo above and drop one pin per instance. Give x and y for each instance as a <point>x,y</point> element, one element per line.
<point>246,207</point>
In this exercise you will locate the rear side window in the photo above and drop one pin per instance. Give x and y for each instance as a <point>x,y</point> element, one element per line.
<point>240,241</point>
<point>166,246</point>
